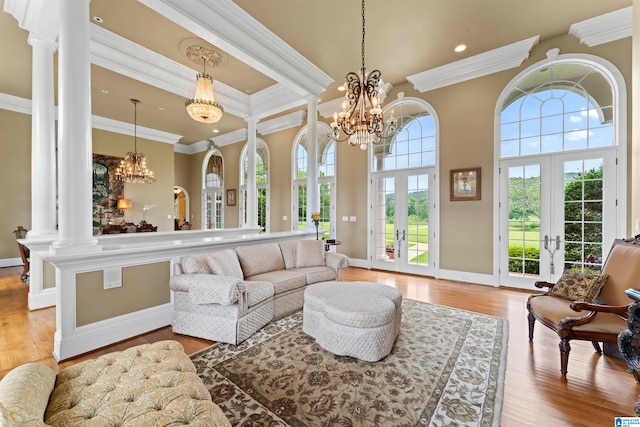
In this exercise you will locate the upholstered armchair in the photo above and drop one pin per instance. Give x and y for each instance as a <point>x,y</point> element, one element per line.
<point>598,320</point>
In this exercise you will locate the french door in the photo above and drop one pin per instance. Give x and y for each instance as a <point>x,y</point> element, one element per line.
<point>400,221</point>
<point>212,210</point>
<point>556,212</point>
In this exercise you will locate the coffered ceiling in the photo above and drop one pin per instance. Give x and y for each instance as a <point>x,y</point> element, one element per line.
<point>277,53</point>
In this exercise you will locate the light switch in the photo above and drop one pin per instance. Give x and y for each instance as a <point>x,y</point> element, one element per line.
<point>345,218</point>
<point>352,218</point>
<point>284,217</point>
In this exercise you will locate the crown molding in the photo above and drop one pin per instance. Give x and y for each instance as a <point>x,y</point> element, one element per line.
<point>198,147</point>
<point>326,109</point>
<point>605,28</point>
<point>281,123</point>
<point>22,105</point>
<point>230,137</point>
<point>493,61</point>
<point>227,26</point>
<point>124,128</point>
<point>15,103</point>
<point>222,140</point>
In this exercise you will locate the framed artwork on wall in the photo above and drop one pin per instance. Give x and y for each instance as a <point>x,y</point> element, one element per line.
<point>106,188</point>
<point>231,197</point>
<point>465,184</point>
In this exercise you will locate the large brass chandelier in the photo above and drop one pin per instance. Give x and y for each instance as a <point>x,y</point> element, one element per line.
<point>361,119</point>
<point>133,168</point>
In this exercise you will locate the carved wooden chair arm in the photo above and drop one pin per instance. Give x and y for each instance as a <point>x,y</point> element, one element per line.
<point>542,284</point>
<point>601,308</point>
<point>570,322</point>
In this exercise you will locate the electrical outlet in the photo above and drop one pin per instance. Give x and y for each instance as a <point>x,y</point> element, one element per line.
<point>352,218</point>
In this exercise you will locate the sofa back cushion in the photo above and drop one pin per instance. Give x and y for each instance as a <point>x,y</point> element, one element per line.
<point>309,253</point>
<point>225,263</point>
<point>196,264</point>
<point>258,259</point>
<point>288,250</point>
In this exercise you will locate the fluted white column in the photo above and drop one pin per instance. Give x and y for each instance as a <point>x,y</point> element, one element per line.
<point>43,142</point>
<point>74,131</point>
<point>251,213</point>
<point>313,199</point>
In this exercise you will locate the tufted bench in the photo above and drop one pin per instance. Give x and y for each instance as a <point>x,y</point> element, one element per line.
<point>148,385</point>
<point>357,319</point>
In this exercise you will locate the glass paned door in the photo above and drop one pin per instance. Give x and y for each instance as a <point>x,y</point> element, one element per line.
<point>212,210</point>
<point>557,212</point>
<point>401,222</point>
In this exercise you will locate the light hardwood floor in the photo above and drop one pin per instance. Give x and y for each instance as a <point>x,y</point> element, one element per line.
<point>597,388</point>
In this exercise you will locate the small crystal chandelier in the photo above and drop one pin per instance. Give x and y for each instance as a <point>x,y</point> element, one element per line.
<point>203,107</point>
<point>360,126</point>
<point>133,168</point>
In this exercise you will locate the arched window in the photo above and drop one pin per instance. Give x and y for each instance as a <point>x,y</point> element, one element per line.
<point>562,168</point>
<point>262,183</point>
<point>326,180</point>
<point>403,191</point>
<point>212,190</point>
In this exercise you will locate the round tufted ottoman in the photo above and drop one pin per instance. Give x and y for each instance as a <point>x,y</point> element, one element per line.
<point>357,319</point>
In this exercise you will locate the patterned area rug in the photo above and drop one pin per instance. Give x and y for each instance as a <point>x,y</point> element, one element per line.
<point>446,368</point>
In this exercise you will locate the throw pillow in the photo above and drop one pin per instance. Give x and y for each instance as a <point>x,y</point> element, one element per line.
<point>196,264</point>
<point>309,253</point>
<point>577,286</point>
<point>225,263</point>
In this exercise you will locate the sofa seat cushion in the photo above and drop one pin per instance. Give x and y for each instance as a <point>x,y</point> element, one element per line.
<point>318,274</point>
<point>151,384</point>
<point>256,292</point>
<point>258,259</point>
<point>225,263</point>
<point>283,280</point>
<point>24,394</point>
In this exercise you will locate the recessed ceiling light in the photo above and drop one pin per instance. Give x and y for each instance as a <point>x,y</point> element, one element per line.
<point>104,91</point>
<point>161,108</point>
<point>98,19</point>
<point>460,48</point>
<point>248,90</point>
<point>216,131</point>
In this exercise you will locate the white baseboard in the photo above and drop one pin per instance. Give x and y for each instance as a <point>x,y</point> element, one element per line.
<point>459,276</point>
<point>361,263</point>
<point>46,298</point>
<point>11,262</point>
<point>467,277</point>
<point>109,331</point>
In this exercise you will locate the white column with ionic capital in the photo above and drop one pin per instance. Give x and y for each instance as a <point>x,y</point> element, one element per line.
<point>43,141</point>
<point>74,131</point>
<point>313,199</point>
<point>251,213</point>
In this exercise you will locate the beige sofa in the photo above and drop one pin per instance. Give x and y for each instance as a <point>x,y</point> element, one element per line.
<point>230,294</point>
<point>148,385</point>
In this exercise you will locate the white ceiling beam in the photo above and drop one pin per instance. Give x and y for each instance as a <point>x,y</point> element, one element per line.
<point>227,26</point>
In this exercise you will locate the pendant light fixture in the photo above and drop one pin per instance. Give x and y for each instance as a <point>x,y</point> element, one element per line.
<point>133,168</point>
<point>203,107</point>
<point>361,119</point>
